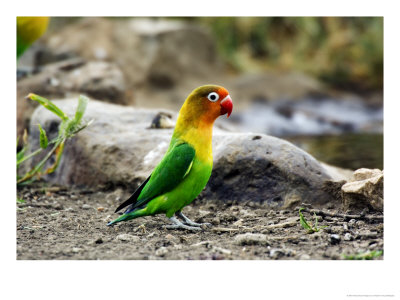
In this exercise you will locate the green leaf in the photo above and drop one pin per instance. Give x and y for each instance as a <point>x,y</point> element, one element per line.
<point>364,255</point>
<point>20,200</point>
<point>49,105</point>
<point>24,158</point>
<point>80,110</point>
<point>20,154</point>
<point>304,223</point>
<point>43,138</point>
<point>72,126</point>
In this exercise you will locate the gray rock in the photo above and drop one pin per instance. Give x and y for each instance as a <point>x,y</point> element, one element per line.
<point>251,239</point>
<point>348,237</point>
<point>127,238</point>
<point>102,80</point>
<point>86,206</point>
<point>119,148</point>
<point>145,49</point>
<point>276,253</point>
<point>161,251</point>
<point>334,239</point>
<point>304,257</point>
<point>365,190</point>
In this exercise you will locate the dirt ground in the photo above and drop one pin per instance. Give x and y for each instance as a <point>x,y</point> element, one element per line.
<point>60,223</point>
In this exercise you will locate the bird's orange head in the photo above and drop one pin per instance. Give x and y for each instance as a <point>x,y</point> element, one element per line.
<point>207,103</point>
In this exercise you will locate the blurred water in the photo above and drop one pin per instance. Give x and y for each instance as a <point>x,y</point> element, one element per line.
<point>312,117</point>
<point>349,151</point>
<point>345,133</point>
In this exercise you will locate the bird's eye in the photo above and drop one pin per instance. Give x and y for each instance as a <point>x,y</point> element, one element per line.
<point>213,96</point>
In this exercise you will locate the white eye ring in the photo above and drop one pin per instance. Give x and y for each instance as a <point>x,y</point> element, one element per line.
<point>213,96</point>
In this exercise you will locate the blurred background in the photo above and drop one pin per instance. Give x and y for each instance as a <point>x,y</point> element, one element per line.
<point>315,81</point>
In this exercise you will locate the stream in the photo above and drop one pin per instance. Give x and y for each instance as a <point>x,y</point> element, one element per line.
<point>345,133</point>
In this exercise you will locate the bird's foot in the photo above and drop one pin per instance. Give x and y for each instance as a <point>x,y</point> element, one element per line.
<point>189,222</point>
<point>179,225</point>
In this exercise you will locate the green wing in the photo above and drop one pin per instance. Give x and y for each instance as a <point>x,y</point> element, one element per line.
<point>173,168</point>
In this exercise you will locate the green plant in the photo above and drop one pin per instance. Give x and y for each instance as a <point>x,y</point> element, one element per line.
<point>364,255</point>
<point>307,226</point>
<point>67,129</point>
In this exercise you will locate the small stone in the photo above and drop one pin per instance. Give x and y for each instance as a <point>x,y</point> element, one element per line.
<point>161,251</point>
<point>169,237</point>
<point>276,253</point>
<point>100,209</point>
<point>127,237</point>
<point>360,223</point>
<point>222,250</point>
<point>251,239</point>
<point>345,226</point>
<point>76,250</point>
<point>305,257</point>
<point>86,206</point>
<point>334,239</point>
<point>352,221</point>
<point>238,223</point>
<point>348,237</point>
<point>162,120</point>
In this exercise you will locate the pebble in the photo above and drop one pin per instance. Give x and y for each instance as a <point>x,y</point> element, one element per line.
<point>127,237</point>
<point>373,245</point>
<point>334,239</point>
<point>305,257</point>
<point>251,239</point>
<point>345,226</point>
<point>238,223</point>
<point>178,247</point>
<point>222,250</point>
<point>348,237</point>
<point>161,251</point>
<point>100,209</point>
<point>352,221</point>
<point>76,250</point>
<point>360,223</point>
<point>86,206</point>
<point>169,236</point>
<point>276,253</point>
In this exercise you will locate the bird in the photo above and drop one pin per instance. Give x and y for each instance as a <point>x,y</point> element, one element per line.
<point>29,29</point>
<point>186,167</point>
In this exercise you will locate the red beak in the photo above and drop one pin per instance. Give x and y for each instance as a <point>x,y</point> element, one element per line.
<point>226,106</point>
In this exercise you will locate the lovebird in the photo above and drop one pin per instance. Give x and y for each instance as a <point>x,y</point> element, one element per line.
<point>186,167</point>
<point>29,29</point>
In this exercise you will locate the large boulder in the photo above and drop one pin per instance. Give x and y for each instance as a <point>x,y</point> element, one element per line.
<point>102,80</point>
<point>145,49</point>
<point>122,148</point>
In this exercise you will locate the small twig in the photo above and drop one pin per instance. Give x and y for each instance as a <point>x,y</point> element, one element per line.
<point>344,216</point>
<point>221,229</point>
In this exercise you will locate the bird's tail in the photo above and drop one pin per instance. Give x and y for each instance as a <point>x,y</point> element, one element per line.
<point>132,215</point>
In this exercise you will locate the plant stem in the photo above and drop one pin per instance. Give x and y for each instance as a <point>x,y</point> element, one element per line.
<point>37,168</point>
<point>29,156</point>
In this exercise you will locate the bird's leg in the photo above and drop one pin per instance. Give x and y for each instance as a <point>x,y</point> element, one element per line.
<point>187,221</point>
<point>179,225</point>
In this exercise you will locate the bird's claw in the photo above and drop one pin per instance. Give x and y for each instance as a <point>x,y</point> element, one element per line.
<point>189,222</point>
